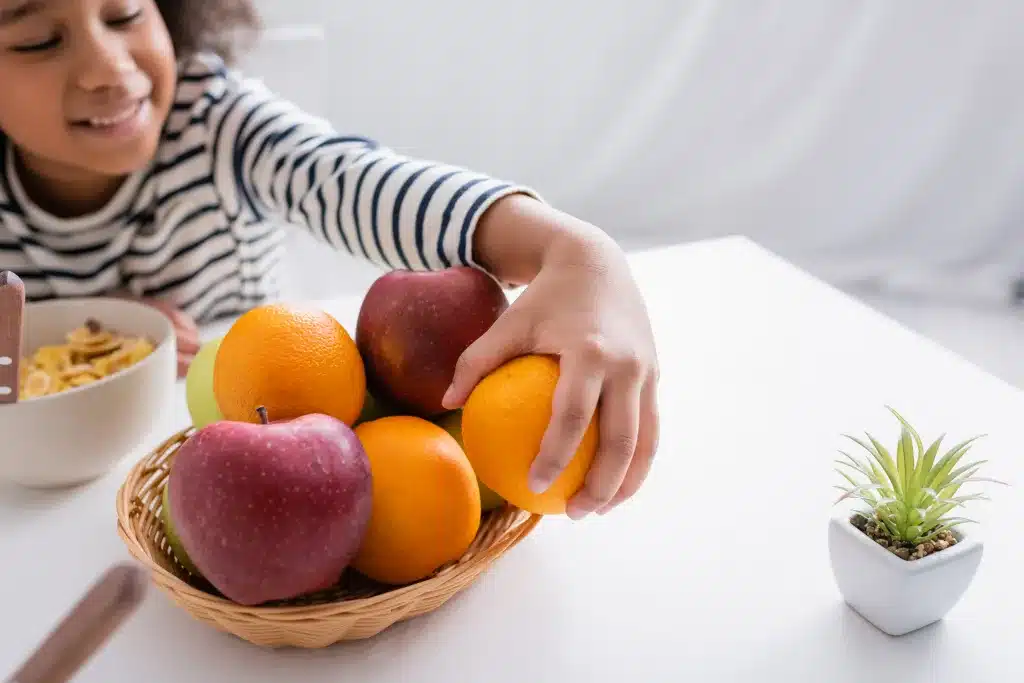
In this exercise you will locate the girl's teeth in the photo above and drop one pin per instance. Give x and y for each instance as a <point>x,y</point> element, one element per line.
<point>123,116</point>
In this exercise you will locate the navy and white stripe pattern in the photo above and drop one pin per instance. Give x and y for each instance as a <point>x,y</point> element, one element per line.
<point>203,225</point>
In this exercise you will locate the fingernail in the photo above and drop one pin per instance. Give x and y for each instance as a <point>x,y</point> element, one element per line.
<point>539,483</point>
<point>576,511</point>
<point>449,396</point>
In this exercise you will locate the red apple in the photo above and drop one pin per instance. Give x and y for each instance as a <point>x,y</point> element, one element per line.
<point>273,510</point>
<point>413,326</point>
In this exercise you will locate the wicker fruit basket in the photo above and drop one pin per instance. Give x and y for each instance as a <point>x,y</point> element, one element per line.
<point>353,610</point>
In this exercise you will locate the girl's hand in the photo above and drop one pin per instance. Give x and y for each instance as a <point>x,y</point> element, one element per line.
<point>584,307</point>
<point>185,329</point>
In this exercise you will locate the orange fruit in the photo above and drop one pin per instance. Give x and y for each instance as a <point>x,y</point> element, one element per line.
<point>503,423</point>
<point>452,423</point>
<point>292,360</point>
<point>426,502</point>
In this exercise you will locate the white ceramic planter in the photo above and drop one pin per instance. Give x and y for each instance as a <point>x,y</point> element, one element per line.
<point>899,596</point>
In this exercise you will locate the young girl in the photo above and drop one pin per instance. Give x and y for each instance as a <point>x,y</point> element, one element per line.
<point>134,162</point>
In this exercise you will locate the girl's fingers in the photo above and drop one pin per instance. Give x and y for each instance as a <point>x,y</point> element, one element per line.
<point>187,343</point>
<point>620,423</point>
<point>573,405</point>
<point>184,362</point>
<point>646,447</point>
<point>507,337</point>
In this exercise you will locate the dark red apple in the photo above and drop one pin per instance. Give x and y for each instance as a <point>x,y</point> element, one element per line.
<point>413,326</point>
<point>271,511</point>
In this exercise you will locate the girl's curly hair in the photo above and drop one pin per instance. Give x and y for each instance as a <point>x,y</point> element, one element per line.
<point>221,26</point>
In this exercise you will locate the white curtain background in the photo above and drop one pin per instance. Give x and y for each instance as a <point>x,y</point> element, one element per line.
<point>865,140</point>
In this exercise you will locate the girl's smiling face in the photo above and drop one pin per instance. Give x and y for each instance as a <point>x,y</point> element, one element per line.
<point>87,85</point>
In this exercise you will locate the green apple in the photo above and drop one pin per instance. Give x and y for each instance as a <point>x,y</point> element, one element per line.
<point>172,538</point>
<point>202,405</point>
<point>452,423</point>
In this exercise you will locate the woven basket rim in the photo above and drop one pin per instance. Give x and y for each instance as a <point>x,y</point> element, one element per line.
<point>128,505</point>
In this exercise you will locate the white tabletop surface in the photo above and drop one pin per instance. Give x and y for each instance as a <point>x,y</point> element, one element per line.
<point>717,571</point>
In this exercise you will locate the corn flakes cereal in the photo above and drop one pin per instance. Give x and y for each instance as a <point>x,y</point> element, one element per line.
<point>90,354</point>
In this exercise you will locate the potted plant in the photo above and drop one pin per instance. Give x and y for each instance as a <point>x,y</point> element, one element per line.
<point>903,561</point>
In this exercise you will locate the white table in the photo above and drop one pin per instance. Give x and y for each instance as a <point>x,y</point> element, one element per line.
<point>717,571</point>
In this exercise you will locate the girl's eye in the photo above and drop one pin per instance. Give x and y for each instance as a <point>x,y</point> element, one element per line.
<point>37,47</point>
<point>126,20</point>
<point>118,22</point>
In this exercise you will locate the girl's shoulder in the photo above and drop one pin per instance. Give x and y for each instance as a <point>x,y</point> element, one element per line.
<point>206,81</point>
<point>206,88</point>
<point>202,75</point>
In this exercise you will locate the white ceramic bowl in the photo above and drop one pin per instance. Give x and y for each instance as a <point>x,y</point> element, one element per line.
<point>77,435</point>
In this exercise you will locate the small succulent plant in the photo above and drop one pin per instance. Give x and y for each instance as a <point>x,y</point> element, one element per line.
<point>912,494</point>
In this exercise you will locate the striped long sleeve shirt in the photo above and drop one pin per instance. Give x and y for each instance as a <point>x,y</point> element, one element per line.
<point>202,226</point>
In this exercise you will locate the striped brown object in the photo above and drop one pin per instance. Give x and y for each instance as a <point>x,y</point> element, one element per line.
<point>12,315</point>
<point>86,628</point>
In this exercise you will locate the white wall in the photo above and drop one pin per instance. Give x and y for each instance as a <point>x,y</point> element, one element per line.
<point>871,139</point>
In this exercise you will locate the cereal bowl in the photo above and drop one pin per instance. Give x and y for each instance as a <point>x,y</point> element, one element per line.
<point>109,366</point>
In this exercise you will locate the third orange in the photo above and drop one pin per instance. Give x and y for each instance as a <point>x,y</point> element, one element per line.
<point>503,423</point>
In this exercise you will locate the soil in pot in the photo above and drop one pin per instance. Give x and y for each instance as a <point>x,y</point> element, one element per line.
<point>901,549</point>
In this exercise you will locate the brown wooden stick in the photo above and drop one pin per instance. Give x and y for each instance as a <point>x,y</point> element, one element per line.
<point>85,629</point>
<point>12,314</point>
